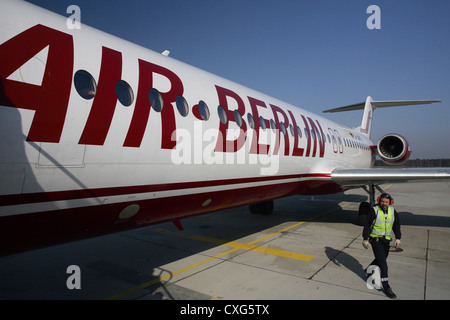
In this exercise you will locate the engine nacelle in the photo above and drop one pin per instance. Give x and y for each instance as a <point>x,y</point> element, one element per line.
<point>394,149</point>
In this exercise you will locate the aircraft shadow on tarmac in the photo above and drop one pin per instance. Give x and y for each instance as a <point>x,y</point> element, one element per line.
<point>407,218</point>
<point>135,257</point>
<point>415,219</point>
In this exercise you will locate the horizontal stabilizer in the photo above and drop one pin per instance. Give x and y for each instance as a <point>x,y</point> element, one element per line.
<point>369,107</point>
<point>376,176</point>
<point>381,104</point>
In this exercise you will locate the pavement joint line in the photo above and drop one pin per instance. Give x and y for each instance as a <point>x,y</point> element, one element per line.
<point>237,247</point>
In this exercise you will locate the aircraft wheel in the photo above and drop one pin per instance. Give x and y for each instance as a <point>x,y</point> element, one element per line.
<point>264,208</point>
<point>363,213</point>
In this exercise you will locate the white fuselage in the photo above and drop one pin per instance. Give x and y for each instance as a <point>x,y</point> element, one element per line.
<point>64,150</point>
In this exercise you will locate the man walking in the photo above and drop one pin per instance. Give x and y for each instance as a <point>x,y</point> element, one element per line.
<point>383,219</point>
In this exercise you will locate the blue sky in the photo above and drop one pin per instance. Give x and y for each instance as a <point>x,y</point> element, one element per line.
<point>315,54</point>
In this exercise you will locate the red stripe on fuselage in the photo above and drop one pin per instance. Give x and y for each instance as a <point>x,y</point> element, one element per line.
<point>28,231</point>
<point>25,198</point>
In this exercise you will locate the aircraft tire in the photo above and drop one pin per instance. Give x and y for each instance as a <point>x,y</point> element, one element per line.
<point>264,208</point>
<point>363,213</point>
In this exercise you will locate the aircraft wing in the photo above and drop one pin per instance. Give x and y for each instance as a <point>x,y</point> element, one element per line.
<point>376,176</point>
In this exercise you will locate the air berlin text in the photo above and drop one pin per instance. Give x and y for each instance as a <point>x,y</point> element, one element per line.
<point>50,101</point>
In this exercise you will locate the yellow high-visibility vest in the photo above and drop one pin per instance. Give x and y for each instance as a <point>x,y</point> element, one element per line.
<point>382,225</point>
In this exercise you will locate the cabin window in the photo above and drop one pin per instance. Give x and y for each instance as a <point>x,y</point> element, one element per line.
<point>262,123</point>
<point>299,131</point>
<point>85,84</point>
<point>156,100</point>
<point>203,109</point>
<point>272,125</point>
<point>251,121</point>
<point>124,93</point>
<point>238,118</point>
<point>222,114</point>
<point>291,129</point>
<point>283,128</point>
<point>182,106</point>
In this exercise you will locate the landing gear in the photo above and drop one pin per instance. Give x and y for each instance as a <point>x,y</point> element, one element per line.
<point>363,213</point>
<point>264,208</point>
<point>364,207</point>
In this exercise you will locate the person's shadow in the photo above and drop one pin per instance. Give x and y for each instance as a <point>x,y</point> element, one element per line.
<point>341,258</point>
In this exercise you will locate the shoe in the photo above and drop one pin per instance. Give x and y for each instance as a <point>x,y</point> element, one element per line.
<point>389,293</point>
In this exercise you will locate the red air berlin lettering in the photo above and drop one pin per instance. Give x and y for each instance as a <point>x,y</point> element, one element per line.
<point>142,109</point>
<point>105,101</point>
<point>50,100</point>
<point>319,137</point>
<point>223,144</point>
<point>296,151</point>
<point>276,110</point>
<point>256,147</point>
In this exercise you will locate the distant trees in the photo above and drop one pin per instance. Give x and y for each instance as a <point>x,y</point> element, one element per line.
<point>421,163</point>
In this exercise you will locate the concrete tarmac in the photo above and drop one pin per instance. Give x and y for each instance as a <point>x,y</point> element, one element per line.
<point>309,248</point>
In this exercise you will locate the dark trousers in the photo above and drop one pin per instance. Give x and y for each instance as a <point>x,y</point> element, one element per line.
<point>380,248</point>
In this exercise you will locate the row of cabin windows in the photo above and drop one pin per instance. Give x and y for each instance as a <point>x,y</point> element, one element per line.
<point>87,87</point>
<point>356,144</point>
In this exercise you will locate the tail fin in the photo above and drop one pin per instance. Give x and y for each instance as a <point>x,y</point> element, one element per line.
<point>369,106</point>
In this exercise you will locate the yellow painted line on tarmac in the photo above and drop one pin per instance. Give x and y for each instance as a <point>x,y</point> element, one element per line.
<point>252,247</point>
<point>236,246</point>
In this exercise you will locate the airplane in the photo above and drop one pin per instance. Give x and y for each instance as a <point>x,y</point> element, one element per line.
<point>99,135</point>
